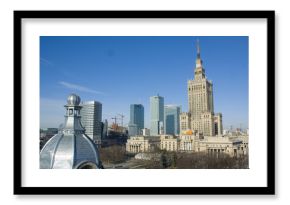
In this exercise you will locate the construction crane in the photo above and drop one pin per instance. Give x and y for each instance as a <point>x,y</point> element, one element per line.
<point>115,125</point>
<point>122,117</point>
<point>115,118</point>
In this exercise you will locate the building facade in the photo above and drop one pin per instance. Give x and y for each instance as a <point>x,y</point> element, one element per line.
<point>169,143</point>
<point>217,145</point>
<point>171,119</point>
<point>156,115</point>
<point>185,121</point>
<point>146,132</point>
<point>91,119</point>
<point>137,144</point>
<point>200,103</point>
<point>132,130</point>
<point>187,142</point>
<point>218,124</point>
<point>136,118</point>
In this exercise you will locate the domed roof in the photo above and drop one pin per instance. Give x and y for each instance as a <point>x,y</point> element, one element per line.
<point>71,148</point>
<point>69,151</point>
<point>73,99</point>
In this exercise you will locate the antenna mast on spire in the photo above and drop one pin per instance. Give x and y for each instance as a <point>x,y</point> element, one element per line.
<point>198,48</point>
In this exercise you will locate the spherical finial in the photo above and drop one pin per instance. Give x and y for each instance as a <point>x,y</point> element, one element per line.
<point>73,99</point>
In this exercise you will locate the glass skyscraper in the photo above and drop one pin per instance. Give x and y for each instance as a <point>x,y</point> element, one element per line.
<point>91,117</point>
<point>136,123</point>
<point>171,116</point>
<point>157,115</point>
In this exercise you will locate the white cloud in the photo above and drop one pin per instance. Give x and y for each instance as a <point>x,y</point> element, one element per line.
<point>45,61</point>
<point>79,88</point>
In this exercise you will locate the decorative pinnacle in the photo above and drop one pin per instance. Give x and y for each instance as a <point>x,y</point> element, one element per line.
<point>198,48</point>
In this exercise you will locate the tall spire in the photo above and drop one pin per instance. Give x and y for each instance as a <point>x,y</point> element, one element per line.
<point>198,49</point>
<point>199,71</point>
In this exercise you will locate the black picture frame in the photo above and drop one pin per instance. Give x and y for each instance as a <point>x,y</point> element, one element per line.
<point>19,189</point>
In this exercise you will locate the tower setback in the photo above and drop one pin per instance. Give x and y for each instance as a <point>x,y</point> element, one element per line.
<point>200,101</point>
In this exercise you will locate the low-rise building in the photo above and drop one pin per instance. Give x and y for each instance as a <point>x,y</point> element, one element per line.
<point>244,146</point>
<point>218,145</point>
<point>136,144</point>
<point>190,142</point>
<point>187,142</point>
<point>169,143</point>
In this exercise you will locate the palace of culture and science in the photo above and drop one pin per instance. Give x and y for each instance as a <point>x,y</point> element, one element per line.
<point>200,117</point>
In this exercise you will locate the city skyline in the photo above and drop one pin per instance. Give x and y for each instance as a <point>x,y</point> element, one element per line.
<point>119,71</point>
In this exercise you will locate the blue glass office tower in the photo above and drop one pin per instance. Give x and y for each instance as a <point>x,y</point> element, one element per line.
<point>136,123</point>
<point>157,115</point>
<point>171,115</point>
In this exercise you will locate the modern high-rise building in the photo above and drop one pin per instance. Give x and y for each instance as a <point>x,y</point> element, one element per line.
<point>157,114</point>
<point>136,123</point>
<point>132,130</point>
<point>171,119</point>
<point>200,102</point>
<point>91,119</point>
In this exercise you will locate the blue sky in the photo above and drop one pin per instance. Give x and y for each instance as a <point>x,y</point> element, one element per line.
<point>119,71</point>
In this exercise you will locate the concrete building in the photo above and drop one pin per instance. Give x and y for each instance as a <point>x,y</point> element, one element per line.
<point>137,144</point>
<point>171,119</point>
<point>218,124</point>
<point>91,119</point>
<point>220,145</point>
<point>187,142</point>
<point>207,124</point>
<point>161,128</point>
<point>169,143</point>
<point>190,142</point>
<point>200,102</point>
<point>185,121</point>
<point>156,114</point>
<point>214,145</point>
<point>146,132</point>
<point>136,118</point>
<point>244,147</point>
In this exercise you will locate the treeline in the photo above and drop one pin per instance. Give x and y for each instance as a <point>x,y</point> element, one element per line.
<point>113,154</point>
<point>174,160</point>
